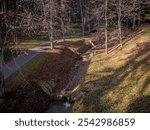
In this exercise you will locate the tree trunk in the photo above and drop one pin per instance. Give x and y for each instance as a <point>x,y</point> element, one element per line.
<point>63,29</point>
<point>139,17</point>
<point>133,26</point>
<point>2,85</point>
<point>49,21</point>
<point>51,25</point>
<point>106,26</point>
<point>2,42</point>
<point>119,22</point>
<point>134,16</point>
<point>82,18</point>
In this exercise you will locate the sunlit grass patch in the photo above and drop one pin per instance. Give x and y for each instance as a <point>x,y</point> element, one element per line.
<point>25,44</point>
<point>73,39</point>
<point>117,81</point>
<point>147,32</point>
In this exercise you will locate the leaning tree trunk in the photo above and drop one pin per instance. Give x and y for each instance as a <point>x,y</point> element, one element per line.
<point>2,85</point>
<point>106,26</point>
<point>2,42</point>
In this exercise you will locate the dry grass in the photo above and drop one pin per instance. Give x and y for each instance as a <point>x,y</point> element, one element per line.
<point>119,81</point>
<point>25,44</point>
<point>21,75</point>
<point>20,47</point>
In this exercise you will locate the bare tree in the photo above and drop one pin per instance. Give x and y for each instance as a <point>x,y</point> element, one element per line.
<point>82,17</point>
<point>106,26</point>
<point>2,46</point>
<point>2,36</point>
<point>119,21</point>
<point>48,19</point>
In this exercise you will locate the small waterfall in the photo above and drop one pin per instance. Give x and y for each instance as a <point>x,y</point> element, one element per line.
<point>68,102</point>
<point>63,103</point>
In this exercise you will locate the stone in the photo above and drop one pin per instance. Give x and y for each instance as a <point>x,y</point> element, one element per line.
<point>67,104</point>
<point>46,90</point>
<point>46,87</point>
<point>52,83</point>
<point>85,58</point>
<point>79,95</point>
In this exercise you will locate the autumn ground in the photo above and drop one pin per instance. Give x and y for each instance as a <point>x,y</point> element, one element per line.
<point>119,81</point>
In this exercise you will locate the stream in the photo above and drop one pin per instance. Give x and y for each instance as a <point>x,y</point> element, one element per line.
<point>65,105</point>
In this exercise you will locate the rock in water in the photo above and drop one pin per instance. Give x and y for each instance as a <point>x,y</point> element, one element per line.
<point>67,104</point>
<point>79,95</point>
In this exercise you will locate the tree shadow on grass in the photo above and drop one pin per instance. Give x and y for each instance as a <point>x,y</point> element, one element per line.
<point>140,105</point>
<point>107,83</point>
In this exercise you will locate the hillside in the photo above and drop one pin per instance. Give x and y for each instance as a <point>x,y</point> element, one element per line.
<point>119,81</point>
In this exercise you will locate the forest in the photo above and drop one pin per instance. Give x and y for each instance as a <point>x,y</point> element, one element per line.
<point>74,56</point>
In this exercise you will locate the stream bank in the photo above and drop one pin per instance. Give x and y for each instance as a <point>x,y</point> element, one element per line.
<point>64,66</point>
<point>63,103</point>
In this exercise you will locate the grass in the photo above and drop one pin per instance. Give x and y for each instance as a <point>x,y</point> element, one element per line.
<point>33,64</point>
<point>147,33</point>
<point>147,17</point>
<point>22,45</point>
<point>73,39</point>
<point>23,95</point>
<point>27,43</point>
<point>9,55</point>
<point>119,81</point>
<point>21,75</point>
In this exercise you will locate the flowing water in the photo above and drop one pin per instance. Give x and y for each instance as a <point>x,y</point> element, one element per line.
<point>65,106</point>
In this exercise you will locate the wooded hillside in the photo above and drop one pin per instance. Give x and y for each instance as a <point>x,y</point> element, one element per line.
<point>59,34</point>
